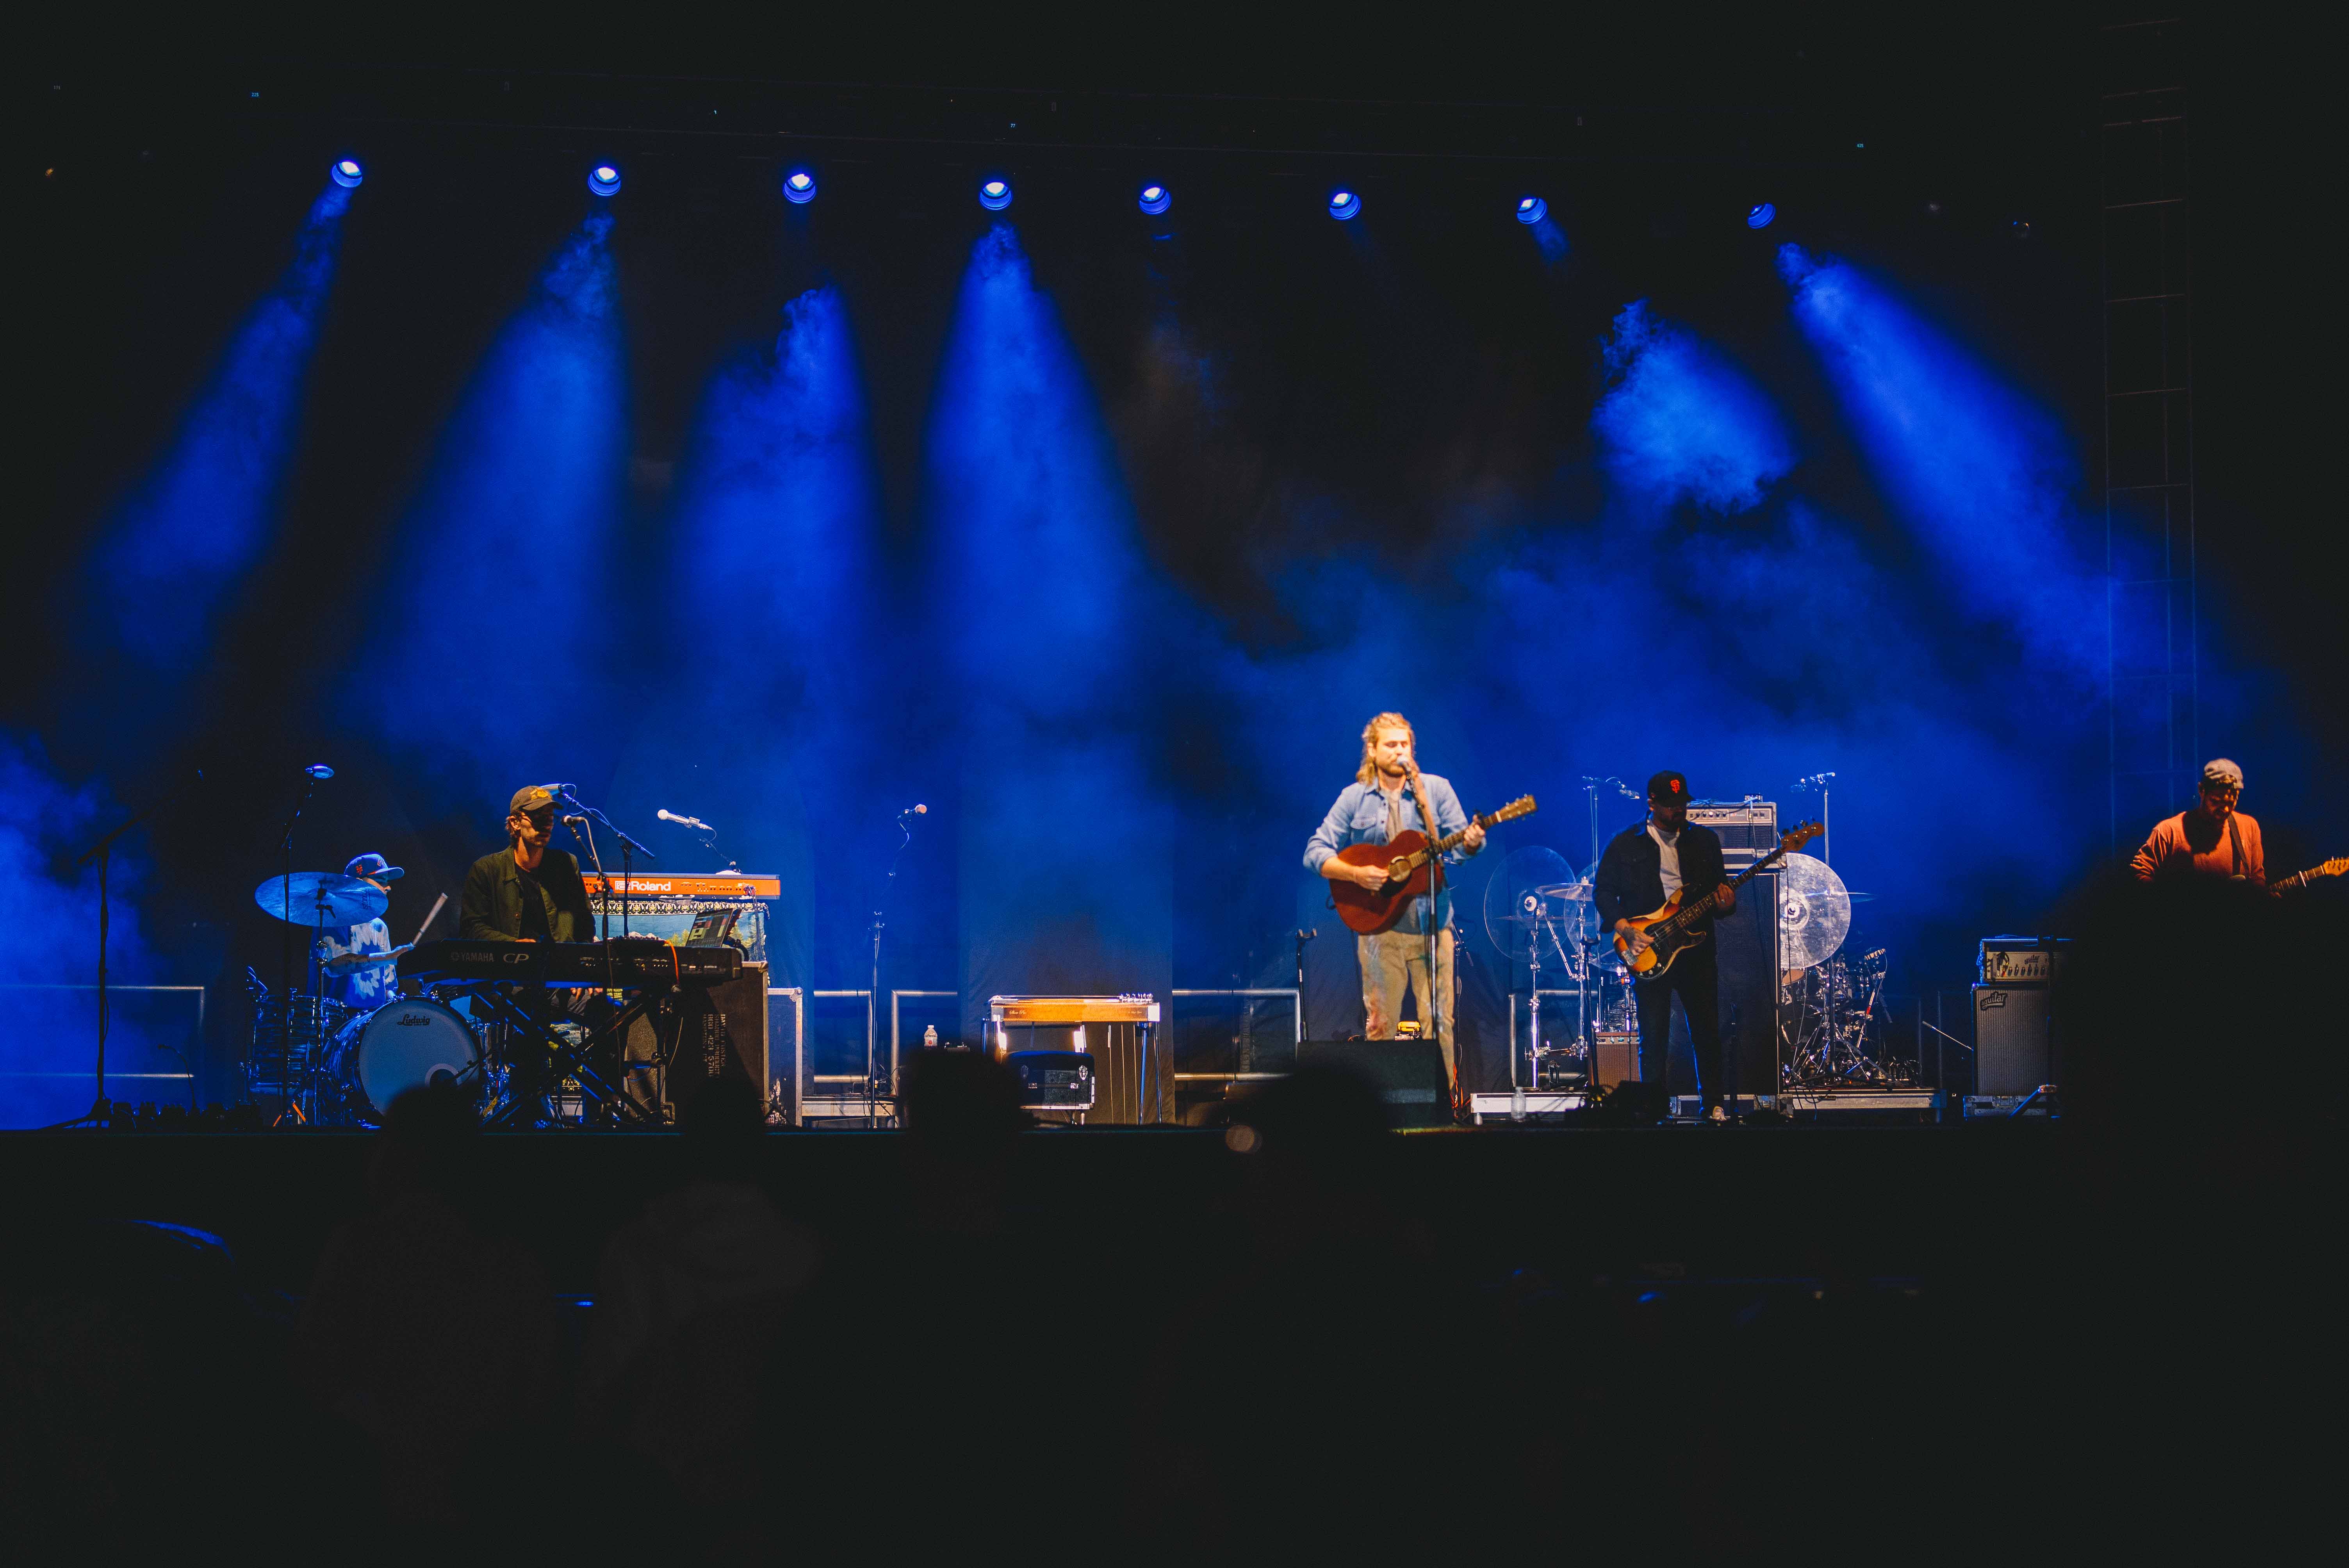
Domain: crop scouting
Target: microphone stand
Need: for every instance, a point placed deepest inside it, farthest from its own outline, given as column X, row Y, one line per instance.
column 628, row 847
column 603, row 891
column 1304, row 935
column 100, row 1111
column 873, row 998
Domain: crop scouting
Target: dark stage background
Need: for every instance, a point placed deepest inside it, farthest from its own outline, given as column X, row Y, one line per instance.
column 1102, row 534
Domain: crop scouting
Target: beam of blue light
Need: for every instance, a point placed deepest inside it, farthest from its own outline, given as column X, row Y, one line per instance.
column 485, row 644
column 1680, row 424
column 995, row 195
column 1344, row 203
column 1154, row 199
column 1550, row 240
column 1041, row 578
column 176, row 551
column 1761, row 215
column 799, row 187
column 1984, row 476
column 604, row 180
column 776, row 507
column 46, row 1056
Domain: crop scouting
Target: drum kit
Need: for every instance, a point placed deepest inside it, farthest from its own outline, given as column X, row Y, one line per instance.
column 327, row 1061
column 1539, row 913
column 1830, row 1003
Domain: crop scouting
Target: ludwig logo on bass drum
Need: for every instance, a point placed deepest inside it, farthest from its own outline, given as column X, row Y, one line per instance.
column 413, row 1021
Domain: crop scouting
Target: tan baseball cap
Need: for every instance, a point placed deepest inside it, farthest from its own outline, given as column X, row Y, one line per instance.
column 531, row 797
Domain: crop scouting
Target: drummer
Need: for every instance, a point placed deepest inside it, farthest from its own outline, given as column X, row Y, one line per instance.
column 359, row 966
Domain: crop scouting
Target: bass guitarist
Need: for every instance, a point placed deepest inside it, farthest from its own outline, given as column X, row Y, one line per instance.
column 1643, row 866
column 1390, row 794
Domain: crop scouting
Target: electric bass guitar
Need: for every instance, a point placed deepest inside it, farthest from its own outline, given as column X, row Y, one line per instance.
column 1668, row 931
column 1412, row 865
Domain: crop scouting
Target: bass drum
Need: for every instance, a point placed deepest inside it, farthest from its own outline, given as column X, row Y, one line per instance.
column 407, row 1045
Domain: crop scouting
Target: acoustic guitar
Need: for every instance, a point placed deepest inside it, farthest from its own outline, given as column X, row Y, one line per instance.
column 1412, row 865
column 1668, row 931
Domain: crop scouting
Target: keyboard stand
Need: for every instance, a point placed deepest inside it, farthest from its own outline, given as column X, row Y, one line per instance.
column 565, row 1059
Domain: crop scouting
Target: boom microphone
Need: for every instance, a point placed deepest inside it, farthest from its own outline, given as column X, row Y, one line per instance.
column 912, row 811
column 667, row 815
column 574, row 822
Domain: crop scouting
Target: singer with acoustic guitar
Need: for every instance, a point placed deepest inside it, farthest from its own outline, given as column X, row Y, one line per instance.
column 1643, row 866
column 1389, row 796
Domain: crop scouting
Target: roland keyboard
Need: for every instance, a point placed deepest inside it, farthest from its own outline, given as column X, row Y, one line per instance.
column 633, row 966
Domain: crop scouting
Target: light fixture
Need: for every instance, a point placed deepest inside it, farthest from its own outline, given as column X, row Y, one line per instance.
column 604, row 180
column 1154, row 199
column 347, row 173
column 1760, row 215
column 1344, row 203
column 995, row 195
column 799, row 187
column 1531, row 210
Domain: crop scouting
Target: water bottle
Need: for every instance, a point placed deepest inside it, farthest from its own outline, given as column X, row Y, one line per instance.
column 930, row 1039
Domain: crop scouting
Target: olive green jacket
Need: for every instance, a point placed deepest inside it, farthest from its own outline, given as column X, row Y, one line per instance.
column 491, row 907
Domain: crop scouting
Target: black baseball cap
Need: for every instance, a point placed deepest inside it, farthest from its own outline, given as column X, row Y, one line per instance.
column 1668, row 788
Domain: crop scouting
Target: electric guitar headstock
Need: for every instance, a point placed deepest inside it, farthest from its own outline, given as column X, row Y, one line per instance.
column 2338, row 866
column 1800, row 835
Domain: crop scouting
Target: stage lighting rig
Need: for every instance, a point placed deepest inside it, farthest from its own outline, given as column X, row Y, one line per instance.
column 799, row 187
column 1531, row 210
column 1344, row 203
column 1760, row 215
column 995, row 195
column 604, row 180
column 347, row 173
column 1154, row 199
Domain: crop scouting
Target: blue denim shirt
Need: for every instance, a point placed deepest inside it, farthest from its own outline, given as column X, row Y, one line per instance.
column 1360, row 816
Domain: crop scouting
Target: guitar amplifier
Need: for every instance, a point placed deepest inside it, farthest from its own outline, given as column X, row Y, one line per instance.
column 1053, row 1080
column 1748, row 829
column 2026, row 960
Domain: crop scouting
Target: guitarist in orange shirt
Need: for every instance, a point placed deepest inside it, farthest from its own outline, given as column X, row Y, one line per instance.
column 1644, row 865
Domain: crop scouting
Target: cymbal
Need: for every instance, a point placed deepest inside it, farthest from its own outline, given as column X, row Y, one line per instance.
column 1813, row 912
column 1574, row 891
column 321, row 898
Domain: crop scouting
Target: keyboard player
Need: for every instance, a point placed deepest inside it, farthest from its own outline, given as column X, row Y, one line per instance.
column 529, row 891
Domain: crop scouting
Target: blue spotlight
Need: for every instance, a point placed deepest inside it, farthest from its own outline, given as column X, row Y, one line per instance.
column 347, row 173
column 1531, row 210
column 1760, row 215
column 1154, row 199
column 1344, row 203
column 799, row 187
column 604, row 180
column 995, row 195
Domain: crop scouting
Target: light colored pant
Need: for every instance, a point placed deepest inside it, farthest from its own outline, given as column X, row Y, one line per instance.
column 1389, row 960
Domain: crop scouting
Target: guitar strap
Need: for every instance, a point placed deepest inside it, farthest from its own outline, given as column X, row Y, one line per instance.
column 2235, row 843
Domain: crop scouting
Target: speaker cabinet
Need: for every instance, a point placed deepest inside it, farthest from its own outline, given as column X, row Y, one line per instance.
column 2015, row 1047
column 1745, row 949
column 1409, row 1075
column 713, row 1032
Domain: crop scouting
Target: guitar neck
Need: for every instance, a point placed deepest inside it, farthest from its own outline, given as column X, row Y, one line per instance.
column 1704, row 905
